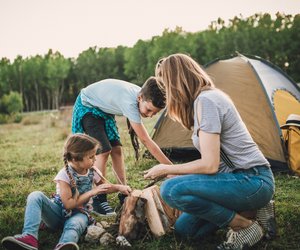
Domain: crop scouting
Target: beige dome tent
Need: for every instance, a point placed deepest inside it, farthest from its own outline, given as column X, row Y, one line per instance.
column 264, row 96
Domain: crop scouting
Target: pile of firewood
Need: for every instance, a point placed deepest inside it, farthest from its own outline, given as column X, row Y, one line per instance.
column 145, row 207
column 143, row 212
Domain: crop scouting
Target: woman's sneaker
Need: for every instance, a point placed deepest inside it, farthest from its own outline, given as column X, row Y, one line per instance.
column 67, row 246
column 18, row 242
column 243, row 238
column 266, row 218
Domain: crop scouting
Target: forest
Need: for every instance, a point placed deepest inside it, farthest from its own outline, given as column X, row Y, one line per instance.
column 46, row 82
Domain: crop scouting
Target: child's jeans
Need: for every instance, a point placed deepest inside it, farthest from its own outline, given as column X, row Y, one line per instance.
column 210, row 202
column 40, row 207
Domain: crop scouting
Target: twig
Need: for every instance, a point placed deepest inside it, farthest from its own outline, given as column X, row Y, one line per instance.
column 101, row 175
column 118, row 178
column 154, row 181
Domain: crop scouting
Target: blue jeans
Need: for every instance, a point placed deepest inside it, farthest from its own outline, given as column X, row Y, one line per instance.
column 40, row 207
column 209, row 202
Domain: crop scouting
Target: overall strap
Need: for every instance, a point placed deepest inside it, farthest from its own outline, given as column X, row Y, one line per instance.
column 226, row 159
column 91, row 174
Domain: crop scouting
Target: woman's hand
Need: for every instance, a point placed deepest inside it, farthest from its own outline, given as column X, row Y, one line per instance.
column 156, row 172
column 124, row 189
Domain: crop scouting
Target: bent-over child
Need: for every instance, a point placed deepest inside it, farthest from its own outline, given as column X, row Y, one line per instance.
column 94, row 114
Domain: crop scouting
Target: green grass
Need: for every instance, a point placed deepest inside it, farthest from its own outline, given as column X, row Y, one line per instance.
column 30, row 157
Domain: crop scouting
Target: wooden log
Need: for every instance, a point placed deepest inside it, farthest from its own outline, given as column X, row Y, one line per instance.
column 145, row 205
column 132, row 222
column 161, row 211
column 171, row 213
column 152, row 213
column 159, row 215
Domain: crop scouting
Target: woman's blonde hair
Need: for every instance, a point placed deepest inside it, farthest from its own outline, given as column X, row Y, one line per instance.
column 183, row 80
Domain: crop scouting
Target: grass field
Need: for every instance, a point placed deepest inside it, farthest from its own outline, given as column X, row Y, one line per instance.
column 30, row 157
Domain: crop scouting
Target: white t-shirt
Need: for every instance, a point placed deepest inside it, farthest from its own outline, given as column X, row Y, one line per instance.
column 63, row 176
column 114, row 97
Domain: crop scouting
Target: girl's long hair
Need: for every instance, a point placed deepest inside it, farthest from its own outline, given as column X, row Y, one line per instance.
column 75, row 148
column 183, row 80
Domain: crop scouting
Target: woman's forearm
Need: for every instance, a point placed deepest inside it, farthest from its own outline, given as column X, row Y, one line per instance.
column 193, row 167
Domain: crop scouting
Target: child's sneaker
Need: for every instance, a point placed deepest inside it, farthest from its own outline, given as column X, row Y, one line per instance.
column 122, row 198
column 266, row 218
column 103, row 209
column 18, row 242
column 101, row 206
column 243, row 238
column 67, row 246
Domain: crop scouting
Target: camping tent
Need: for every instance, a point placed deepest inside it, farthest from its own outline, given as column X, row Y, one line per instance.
column 264, row 96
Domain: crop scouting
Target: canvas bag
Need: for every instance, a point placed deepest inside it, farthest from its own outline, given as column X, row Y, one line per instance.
column 291, row 132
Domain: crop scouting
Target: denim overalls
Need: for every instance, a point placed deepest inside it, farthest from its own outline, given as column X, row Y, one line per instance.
column 51, row 211
column 83, row 184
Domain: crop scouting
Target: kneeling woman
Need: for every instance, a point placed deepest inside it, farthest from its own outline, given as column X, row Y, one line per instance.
column 232, row 175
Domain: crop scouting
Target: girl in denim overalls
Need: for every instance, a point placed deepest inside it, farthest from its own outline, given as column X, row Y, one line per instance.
column 70, row 207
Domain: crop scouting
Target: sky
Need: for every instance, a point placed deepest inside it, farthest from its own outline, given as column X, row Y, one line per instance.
column 31, row 27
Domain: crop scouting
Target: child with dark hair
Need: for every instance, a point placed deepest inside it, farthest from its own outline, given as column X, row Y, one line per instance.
column 69, row 209
column 94, row 114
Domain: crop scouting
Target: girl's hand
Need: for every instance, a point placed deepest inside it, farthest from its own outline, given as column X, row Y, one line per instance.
column 102, row 189
column 124, row 189
column 156, row 172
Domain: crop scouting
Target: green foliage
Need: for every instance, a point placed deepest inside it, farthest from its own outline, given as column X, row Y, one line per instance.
column 17, row 117
column 4, row 118
column 5, row 76
column 13, row 118
column 50, row 81
column 170, row 42
column 136, row 62
column 95, row 64
column 57, row 70
column 11, row 103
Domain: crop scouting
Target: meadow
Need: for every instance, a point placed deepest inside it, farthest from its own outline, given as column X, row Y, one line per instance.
column 31, row 155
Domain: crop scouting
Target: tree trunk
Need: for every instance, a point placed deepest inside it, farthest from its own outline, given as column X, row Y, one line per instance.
column 60, row 93
column 26, row 105
column 48, row 97
column 36, row 95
